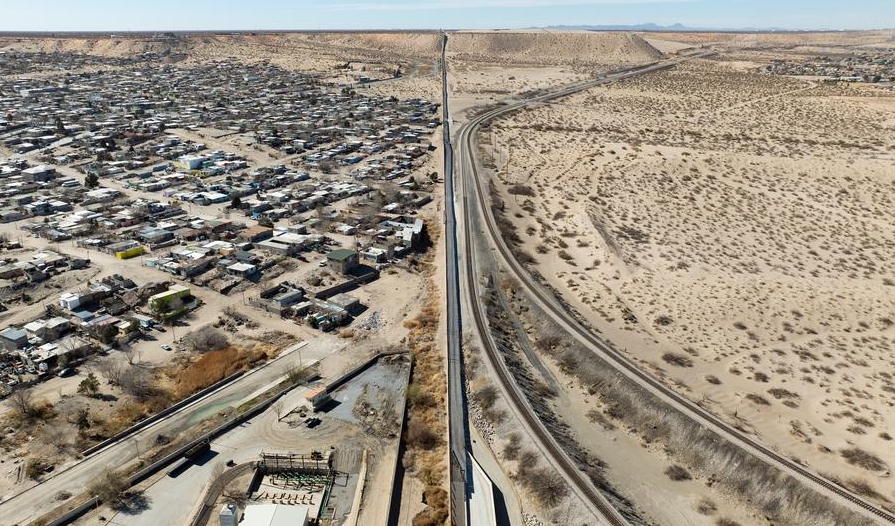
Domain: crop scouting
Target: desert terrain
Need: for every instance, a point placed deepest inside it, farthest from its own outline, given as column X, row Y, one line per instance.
column 728, row 229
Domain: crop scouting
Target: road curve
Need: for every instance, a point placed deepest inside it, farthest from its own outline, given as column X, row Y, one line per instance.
column 548, row 303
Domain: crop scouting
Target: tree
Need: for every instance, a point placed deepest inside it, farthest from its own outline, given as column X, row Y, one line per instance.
column 112, row 369
column 138, row 383
column 236, row 202
column 296, row 374
column 21, row 401
column 89, row 386
column 91, row 180
column 110, row 487
column 57, row 435
column 279, row 408
column 83, row 419
column 205, row 339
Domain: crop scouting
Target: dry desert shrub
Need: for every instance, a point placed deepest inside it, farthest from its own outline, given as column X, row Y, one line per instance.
column 544, row 484
column 863, row 459
column 706, row 507
column 677, row 473
column 436, row 512
column 677, row 360
column 420, row 436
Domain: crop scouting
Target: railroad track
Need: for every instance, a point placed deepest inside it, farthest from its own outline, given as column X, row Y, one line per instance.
column 620, row 362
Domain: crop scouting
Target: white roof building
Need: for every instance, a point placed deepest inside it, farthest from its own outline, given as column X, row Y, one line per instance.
column 275, row 515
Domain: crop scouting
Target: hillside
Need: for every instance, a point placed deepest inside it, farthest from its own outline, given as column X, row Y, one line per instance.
column 552, row 48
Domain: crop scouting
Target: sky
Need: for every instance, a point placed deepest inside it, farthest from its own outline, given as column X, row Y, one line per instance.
column 145, row 15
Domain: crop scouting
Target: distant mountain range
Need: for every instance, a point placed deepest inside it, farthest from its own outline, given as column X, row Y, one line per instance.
column 657, row 27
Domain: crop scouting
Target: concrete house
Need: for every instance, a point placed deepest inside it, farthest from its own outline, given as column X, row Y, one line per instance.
column 13, row 339
column 343, row 260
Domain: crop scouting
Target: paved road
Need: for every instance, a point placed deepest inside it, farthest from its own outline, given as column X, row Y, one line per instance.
column 37, row 500
column 549, row 304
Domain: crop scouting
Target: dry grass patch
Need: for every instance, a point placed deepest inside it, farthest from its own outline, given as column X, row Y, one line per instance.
column 426, row 451
column 213, row 366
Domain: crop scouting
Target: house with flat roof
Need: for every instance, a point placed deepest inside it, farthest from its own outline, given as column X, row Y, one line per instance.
column 343, row 260
column 13, row 338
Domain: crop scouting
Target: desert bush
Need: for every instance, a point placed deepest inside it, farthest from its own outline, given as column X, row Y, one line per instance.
column 512, row 447
column 296, row 374
column 864, row 489
column 521, row 189
column 21, row 400
column 548, row 342
column 677, row 360
column 34, row 468
column 419, row 436
column 863, row 459
column 495, row 416
column 781, row 394
column 486, row 397
column 677, row 473
column 597, row 417
column 112, row 368
column 549, row 487
column 138, row 383
column 712, row 379
column 436, row 512
column 418, row 397
column 109, row 486
column 706, row 507
column 205, row 339
column 756, row 399
column 722, row 521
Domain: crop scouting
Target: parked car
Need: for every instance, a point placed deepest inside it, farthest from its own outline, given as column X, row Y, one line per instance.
column 166, row 347
column 67, row 371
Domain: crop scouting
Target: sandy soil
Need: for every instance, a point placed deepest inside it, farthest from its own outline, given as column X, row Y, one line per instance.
column 738, row 222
